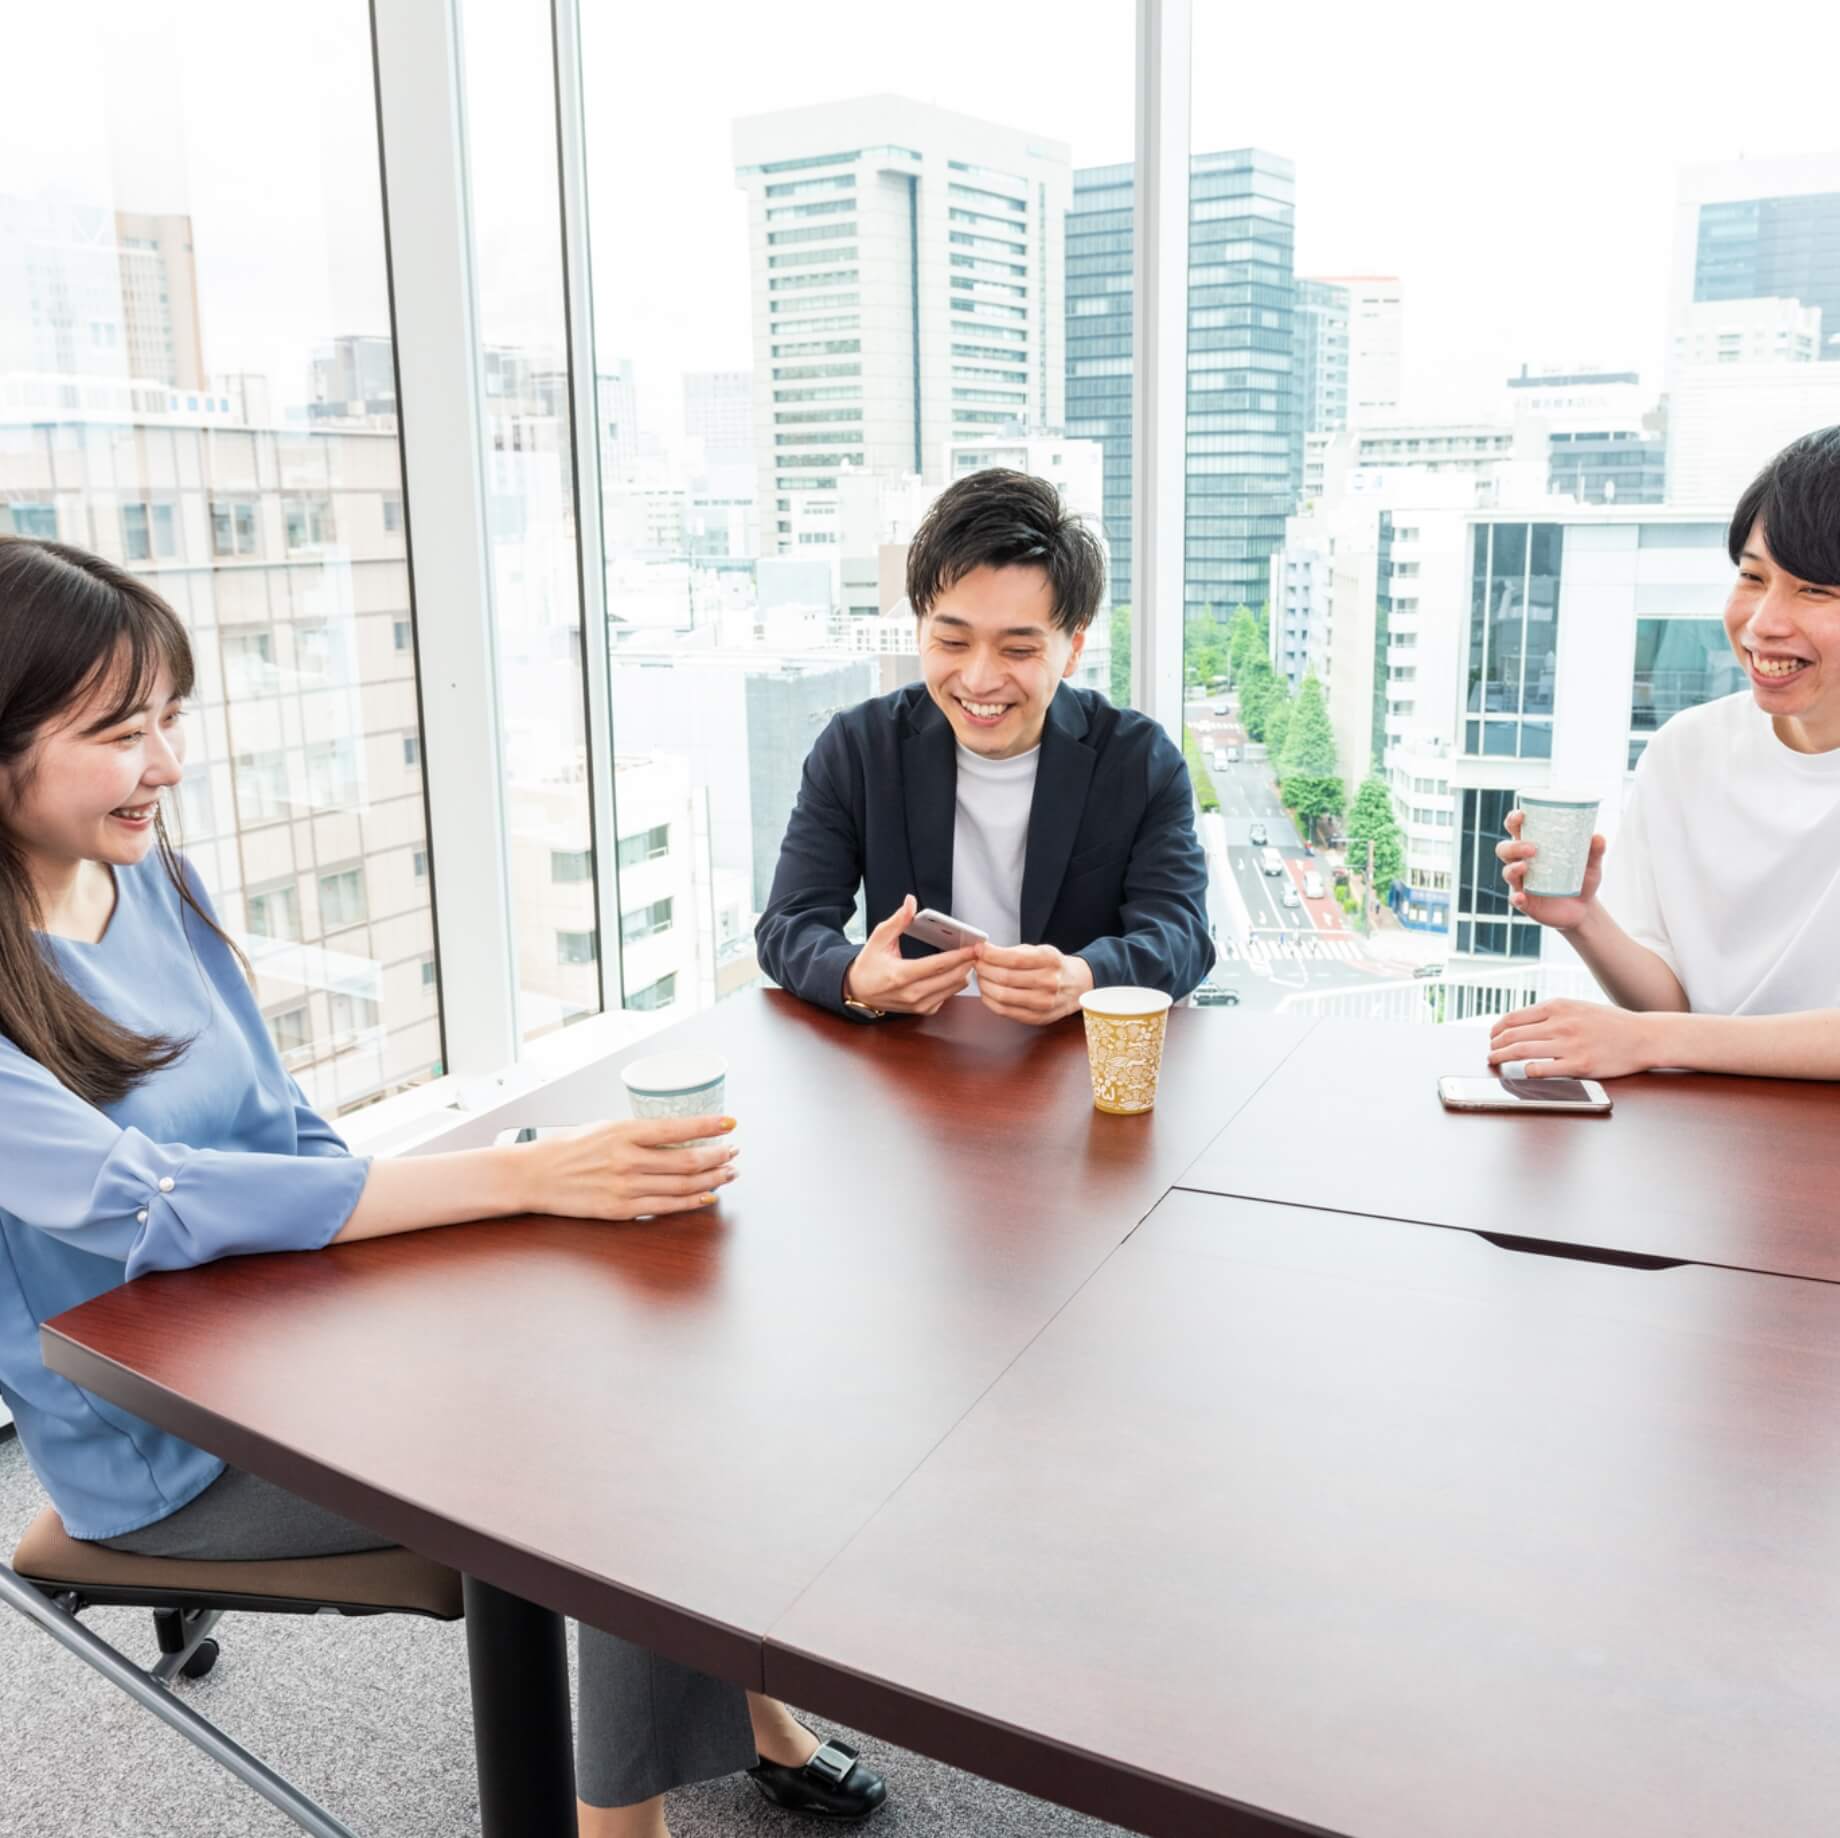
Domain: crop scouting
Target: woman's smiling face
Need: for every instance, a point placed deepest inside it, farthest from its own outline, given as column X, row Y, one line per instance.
column 1786, row 633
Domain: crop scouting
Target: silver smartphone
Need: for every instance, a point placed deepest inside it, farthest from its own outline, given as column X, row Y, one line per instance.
column 1582, row 1095
column 941, row 929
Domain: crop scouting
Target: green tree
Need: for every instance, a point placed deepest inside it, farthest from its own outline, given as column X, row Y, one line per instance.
column 1278, row 717
column 1121, row 657
column 1203, row 780
column 1244, row 644
column 1204, row 648
column 1372, row 820
column 1258, row 689
column 1309, row 778
column 1309, row 740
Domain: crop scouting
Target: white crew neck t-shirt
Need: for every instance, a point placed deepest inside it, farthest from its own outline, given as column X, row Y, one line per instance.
column 990, row 841
column 1727, row 863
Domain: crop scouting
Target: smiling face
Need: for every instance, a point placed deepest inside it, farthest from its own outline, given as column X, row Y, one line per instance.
column 993, row 657
column 88, row 792
column 1786, row 633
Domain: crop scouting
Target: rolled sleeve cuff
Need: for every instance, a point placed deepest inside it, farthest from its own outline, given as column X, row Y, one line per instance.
column 193, row 1206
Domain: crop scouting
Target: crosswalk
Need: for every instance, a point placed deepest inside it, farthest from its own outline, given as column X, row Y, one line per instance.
column 1318, row 945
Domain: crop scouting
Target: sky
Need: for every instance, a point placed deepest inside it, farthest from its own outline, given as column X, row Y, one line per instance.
column 1514, row 164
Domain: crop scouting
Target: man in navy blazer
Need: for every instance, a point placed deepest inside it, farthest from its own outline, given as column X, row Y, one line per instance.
column 994, row 791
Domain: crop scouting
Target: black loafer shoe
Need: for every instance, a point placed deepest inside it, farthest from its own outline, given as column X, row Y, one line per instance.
column 833, row 1784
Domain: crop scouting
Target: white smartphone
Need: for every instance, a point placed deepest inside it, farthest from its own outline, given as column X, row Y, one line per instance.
column 1582, row 1095
column 941, row 929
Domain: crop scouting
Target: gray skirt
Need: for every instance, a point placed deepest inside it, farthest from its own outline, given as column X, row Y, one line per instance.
column 643, row 1724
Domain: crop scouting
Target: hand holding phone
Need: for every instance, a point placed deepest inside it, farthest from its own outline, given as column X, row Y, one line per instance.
column 880, row 977
column 944, row 932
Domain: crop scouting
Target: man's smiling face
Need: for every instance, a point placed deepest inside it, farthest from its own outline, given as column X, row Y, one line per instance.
column 993, row 657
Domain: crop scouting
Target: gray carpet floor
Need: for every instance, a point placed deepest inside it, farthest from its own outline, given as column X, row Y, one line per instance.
column 369, row 1717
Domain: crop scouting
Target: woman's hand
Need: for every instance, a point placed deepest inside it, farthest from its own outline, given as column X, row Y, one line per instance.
column 626, row 1170
column 1563, row 915
column 1575, row 1040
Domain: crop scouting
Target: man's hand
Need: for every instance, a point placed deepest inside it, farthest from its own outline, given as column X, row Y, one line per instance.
column 883, row 978
column 1032, row 983
column 1575, row 1040
column 1562, row 914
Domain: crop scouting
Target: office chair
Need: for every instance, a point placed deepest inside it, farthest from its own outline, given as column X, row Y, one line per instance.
column 55, row 1577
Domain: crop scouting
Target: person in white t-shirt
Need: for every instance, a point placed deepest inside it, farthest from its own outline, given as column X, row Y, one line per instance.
column 1717, row 928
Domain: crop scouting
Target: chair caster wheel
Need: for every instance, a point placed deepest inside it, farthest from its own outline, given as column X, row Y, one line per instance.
column 201, row 1661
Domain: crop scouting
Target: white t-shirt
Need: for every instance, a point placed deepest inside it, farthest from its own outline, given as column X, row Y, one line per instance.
column 990, row 841
column 1727, row 863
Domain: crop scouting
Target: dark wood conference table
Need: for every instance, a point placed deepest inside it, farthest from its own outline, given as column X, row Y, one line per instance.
column 1697, row 1169
column 1202, row 1514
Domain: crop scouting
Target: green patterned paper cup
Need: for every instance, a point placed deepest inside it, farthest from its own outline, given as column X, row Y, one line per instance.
column 686, row 1084
column 1124, row 1047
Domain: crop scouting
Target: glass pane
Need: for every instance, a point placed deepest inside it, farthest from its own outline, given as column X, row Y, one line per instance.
column 196, row 380
column 868, row 297
column 1551, row 365
column 530, row 506
column 1679, row 662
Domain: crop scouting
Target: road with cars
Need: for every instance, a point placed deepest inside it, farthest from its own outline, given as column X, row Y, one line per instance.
column 1276, row 933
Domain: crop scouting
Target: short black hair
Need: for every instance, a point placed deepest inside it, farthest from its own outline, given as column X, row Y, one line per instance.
column 1798, row 497
column 1003, row 519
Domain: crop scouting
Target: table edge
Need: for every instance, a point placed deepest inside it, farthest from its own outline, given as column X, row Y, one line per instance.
column 681, row 1634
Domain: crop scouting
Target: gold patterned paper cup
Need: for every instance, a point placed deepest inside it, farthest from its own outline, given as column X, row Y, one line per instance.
column 1124, row 1047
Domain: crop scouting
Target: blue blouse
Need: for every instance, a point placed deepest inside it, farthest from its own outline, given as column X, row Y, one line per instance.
column 180, row 1172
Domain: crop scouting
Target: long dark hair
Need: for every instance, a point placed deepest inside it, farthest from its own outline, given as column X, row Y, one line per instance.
column 70, row 623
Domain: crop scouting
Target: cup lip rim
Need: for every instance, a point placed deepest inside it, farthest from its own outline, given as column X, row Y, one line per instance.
column 656, row 1085
column 1558, row 800
column 1156, row 1001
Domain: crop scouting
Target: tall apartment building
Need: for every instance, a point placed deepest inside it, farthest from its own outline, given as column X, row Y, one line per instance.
column 1765, row 229
column 907, row 267
column 1244, row 434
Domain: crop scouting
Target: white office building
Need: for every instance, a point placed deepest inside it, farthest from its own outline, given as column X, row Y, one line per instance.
column 907, row 274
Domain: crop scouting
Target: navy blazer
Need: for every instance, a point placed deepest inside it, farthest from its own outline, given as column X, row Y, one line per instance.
column 1113, row 872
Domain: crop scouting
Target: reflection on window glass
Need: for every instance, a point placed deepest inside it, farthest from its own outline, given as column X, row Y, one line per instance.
column 1679, row 664
column 187, row 299
column 870, row 296
column 530, row 502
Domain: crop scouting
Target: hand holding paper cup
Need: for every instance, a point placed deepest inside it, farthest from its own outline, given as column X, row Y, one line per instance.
column 693, row 1083
column 1560, row 826
column 1124, row 1046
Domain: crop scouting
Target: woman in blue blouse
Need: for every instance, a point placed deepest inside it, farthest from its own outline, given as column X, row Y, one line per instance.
column 143, row 1109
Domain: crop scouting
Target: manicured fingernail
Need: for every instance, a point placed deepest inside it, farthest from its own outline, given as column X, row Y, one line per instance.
column 728, row 1123
column 705, row 1199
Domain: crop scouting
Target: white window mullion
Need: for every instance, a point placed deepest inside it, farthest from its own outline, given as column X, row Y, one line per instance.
column 1159, row 381
column 427, row 225
column 584, row 422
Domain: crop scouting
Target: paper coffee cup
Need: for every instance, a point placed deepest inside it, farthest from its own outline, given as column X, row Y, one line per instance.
column 1124, row 1046
column 692, row 1083
column 1560, row 825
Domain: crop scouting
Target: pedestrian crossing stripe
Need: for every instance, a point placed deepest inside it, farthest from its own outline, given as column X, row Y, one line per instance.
column 1315, row 945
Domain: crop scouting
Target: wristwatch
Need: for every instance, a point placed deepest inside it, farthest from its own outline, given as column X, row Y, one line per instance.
column 860, row 1008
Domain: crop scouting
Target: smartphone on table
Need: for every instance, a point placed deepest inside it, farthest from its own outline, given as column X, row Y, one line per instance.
column 1585, row 1096
column 942, row 930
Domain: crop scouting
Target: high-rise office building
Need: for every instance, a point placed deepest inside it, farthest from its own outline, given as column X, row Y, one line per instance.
column 108, row 294
column 1350, row 350
column 907, row 274
column 1244, row 436
column 719, row 418
column 1602, row 431
column 1321, row 333
column 1766, row 229
column 1100, row 252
